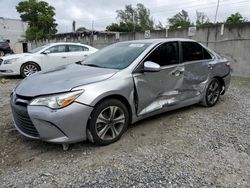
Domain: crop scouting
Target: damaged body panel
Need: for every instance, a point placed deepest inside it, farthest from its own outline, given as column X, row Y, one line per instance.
column 157, row 90
column 121, row 84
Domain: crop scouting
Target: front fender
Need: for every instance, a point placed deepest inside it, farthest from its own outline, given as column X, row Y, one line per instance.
column 95, row 92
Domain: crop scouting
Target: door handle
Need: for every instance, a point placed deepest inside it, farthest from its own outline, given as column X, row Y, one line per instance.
column 177, row 72
column 210, row 66
column 64, row 57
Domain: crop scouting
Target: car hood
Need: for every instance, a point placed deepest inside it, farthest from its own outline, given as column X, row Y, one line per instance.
column 12, row 56
column 62, row 79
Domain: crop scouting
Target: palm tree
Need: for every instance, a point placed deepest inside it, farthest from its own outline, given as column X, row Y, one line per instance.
column 235, row 18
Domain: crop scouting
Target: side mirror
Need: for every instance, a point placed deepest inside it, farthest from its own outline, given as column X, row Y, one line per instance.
column 46, row 52
column 150, row 66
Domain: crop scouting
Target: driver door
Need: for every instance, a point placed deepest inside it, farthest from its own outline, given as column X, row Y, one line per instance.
column 157, row 90
column 56, row 57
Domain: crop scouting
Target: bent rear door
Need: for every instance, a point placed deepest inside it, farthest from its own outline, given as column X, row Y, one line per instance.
column 197, row 62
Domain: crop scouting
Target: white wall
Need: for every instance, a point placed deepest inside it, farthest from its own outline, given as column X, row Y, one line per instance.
column 14, row 30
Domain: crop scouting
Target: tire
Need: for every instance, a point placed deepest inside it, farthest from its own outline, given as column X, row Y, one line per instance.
column 106, row 127
column 212, row 93
column 2, row 53
column 29, row 68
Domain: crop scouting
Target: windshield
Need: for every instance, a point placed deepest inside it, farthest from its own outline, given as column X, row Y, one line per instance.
column 38, row 49
column 116, row 56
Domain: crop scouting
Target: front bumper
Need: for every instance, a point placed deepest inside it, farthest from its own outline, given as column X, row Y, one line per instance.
column 9, row 69
column 67, row 125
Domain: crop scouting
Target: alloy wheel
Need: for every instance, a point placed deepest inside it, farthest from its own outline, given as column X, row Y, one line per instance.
column 110, row 123
column 213, row 92
column 29, row 69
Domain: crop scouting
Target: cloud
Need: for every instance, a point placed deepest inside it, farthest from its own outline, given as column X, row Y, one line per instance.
column 103, row 12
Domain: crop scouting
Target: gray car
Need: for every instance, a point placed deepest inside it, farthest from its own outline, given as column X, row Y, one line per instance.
column 119, row 85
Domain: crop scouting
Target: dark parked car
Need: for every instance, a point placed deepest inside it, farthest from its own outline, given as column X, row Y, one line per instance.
column 5, row 48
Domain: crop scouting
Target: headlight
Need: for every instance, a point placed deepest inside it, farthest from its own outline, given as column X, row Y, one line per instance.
column 10, row 61
column 57, row 101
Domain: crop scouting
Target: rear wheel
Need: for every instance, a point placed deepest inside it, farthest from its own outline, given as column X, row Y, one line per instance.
column 108, row 122
column 28, row 69
column 212, row 94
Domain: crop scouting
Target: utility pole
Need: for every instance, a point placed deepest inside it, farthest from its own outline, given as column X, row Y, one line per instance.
column 92, row 32
column 216, row 13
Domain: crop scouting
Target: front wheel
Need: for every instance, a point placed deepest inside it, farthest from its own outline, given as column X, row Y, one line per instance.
column 28, row 69
column 212, row 94
column 108, row 122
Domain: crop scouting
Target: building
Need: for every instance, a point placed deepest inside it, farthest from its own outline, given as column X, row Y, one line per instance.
column 14, row 31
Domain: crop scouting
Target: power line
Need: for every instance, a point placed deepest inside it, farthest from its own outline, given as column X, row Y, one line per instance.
column 102, row 22
column 241, row 3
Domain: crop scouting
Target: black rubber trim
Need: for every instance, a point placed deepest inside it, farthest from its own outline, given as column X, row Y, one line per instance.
column 226, row 74
column 83, row 104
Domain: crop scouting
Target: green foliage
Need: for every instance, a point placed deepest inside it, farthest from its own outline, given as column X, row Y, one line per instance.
column 235, row 18
column 132, row 19
column 40, row 16
column 180, row 20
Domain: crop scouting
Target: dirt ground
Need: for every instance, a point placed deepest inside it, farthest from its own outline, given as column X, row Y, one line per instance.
column 189, row 147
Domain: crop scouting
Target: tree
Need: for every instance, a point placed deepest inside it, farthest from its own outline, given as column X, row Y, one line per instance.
column 180, row 20
column 40, row 16
column 235, row 18
column 132, row 19
column 202, row 19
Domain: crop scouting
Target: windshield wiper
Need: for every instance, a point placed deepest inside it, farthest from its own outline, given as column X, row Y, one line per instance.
column 92, row 65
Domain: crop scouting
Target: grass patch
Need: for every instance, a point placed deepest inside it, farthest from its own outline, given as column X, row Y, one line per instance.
column 240, row 81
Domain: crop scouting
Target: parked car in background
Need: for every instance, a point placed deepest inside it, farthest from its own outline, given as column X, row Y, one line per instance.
column 119, row 85
column 44, row 58
column 5, row 48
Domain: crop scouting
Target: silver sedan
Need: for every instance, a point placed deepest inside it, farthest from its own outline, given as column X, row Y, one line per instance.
column 119, row 85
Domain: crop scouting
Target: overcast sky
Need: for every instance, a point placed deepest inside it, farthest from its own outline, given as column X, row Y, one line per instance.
column 103, row 12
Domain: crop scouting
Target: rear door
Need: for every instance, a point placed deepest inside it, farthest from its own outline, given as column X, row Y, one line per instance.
column 196, row 61
column 156, row 90
column 77, row 53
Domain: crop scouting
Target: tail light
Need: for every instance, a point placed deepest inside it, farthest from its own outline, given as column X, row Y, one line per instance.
column 228, row 65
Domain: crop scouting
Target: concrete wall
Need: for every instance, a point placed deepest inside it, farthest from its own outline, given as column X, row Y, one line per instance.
column 232, row 41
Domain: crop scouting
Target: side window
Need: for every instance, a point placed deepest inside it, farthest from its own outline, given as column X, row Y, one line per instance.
column 193, row 51
column 76, row 48
column 206, row 55
column 58, row 49
column 165, row 54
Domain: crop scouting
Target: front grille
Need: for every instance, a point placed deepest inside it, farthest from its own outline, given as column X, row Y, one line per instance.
column 21, row 118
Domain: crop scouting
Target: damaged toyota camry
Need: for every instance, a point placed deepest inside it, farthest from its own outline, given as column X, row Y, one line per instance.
column 98, row 98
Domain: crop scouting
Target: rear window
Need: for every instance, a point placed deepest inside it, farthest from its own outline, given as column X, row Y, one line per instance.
column 76, row 48
column 193, row 51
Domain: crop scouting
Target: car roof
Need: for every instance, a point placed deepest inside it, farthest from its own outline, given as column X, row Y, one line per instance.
column 69, row 43
column 155, row 41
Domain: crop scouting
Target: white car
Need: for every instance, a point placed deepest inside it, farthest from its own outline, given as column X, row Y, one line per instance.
column 44, row 58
